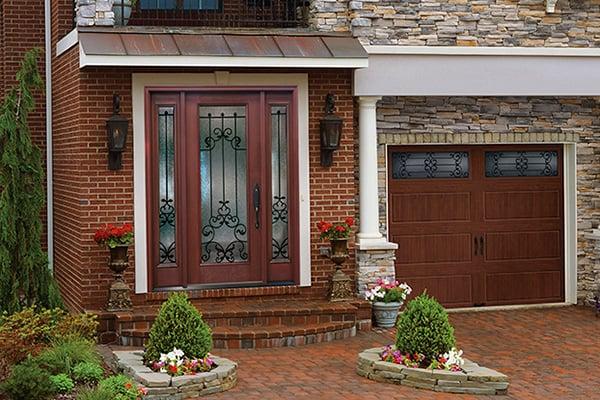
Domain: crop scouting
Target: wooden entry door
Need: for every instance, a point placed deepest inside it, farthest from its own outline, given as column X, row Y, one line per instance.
column 224, row 194
column 479, row 225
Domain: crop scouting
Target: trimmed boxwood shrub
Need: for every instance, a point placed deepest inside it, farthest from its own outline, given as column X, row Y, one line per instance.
column 424, row 328
column 178, row 325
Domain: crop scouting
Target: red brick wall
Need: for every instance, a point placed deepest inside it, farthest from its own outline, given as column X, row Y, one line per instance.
column 21, row 29
column 88, row 195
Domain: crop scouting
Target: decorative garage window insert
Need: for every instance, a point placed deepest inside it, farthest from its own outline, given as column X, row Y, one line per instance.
column 520, row 163
column 279, row 177
column 424, row 165
column 223, row 184
column 166, row 176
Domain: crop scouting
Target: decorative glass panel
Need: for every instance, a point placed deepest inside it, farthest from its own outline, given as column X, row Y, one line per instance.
column 166, row 192
column 223, row 185
column 279, row 177
column 423, row 165
column 173, row 5
column 521, row 163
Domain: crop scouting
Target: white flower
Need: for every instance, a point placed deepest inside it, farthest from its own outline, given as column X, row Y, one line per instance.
column 164, row 357
column 178, row 353
column 454, row 357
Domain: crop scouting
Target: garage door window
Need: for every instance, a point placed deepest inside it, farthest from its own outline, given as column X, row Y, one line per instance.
column 521, row 163
column 427, row 165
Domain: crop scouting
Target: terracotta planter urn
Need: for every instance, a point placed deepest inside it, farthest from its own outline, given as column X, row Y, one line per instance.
column 386, row 313
column 119, row 297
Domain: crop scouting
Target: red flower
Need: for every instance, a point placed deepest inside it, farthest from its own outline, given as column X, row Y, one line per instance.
column 173, row 369
column 128, row 385
column 350, row 221
column 340, row 228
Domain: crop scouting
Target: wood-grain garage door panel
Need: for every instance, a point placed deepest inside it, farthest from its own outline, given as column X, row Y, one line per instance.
column 522, row 245
column 544, row 286
column 433, row 248
column 490, row 235
column 431, row 207
column 523, row 205
column 452, row 290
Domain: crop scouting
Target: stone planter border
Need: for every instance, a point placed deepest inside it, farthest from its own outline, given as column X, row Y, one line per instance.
column 474, row 379
column 163, row 386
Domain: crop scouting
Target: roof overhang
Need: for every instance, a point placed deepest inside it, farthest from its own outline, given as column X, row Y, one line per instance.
column 479, row 71
column 219, row 50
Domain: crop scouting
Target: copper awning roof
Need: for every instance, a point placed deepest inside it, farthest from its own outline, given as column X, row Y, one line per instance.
column 100, row 47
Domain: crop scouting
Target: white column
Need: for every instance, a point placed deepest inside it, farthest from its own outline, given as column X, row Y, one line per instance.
column 369, row 236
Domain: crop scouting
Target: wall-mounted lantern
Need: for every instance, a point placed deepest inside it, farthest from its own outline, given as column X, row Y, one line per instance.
column 117, row 127
column 331, row 132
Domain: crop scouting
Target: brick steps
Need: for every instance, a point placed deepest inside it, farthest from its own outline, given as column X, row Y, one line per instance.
column 255, row 324
column 262, row 337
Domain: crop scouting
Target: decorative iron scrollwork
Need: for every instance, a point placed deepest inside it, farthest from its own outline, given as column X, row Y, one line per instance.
column 520, row 163
column 279, row 206
column 224, row 236
column 166, row 170
column 427, row 165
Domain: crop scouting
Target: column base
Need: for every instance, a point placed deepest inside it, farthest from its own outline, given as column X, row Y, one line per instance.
column 375, row 258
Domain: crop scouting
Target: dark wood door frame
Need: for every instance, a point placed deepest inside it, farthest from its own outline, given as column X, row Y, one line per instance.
column 185, row 273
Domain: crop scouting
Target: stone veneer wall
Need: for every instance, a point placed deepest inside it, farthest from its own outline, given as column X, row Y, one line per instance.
column 470, row 120
column 94, row 12
column 476, row 23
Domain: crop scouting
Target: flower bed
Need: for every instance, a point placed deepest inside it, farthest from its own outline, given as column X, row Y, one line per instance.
column 221, row 376
column 470, row 378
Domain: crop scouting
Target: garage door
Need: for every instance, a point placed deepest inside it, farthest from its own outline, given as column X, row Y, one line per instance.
column 478, row 225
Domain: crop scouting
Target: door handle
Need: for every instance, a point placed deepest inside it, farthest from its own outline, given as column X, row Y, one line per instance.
column 256, row 203
column 475, row 245
column 481, row 245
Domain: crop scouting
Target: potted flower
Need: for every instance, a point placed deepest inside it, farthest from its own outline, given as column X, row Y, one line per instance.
column 117, row 239
column 338, row 235
column 122, row 10
column 387, row 297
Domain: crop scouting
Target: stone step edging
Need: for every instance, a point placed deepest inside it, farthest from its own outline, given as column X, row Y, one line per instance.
column 162, row 385
column 474, row 379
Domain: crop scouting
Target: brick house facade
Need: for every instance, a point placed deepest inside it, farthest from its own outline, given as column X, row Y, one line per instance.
column 401, row 104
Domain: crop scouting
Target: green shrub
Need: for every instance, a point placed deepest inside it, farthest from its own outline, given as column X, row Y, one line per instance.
column 179, row 325
column 61, row 383
column 120, row 387
column 27, row 381
column 95, row 394
column 27, row 332
column 424, row 328
column 64, row 355
column 87, row 372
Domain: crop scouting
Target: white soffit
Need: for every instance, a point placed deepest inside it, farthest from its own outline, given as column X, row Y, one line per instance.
column 479, row 71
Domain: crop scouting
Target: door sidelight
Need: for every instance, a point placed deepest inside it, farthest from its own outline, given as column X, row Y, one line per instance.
column 256, row 203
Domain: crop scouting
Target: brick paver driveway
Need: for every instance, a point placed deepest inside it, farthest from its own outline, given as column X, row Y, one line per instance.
column 547, row 353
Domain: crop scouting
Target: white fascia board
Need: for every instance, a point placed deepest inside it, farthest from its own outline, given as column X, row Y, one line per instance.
column 64, row 44
column 484, row 51
column 478, row 75
column 220, row 61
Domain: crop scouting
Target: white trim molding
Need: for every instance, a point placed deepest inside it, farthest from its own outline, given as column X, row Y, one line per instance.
column 484, row 51
column 461, row 71
column 219, row 61
column 68, row 41
column 570, row 216
column 142, row 80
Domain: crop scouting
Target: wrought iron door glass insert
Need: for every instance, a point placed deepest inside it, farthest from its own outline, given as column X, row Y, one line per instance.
column 521, row 163
column 223, row 159
column 166, row 177
column 279, row 185
column 185, row 5
column 423, row 165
